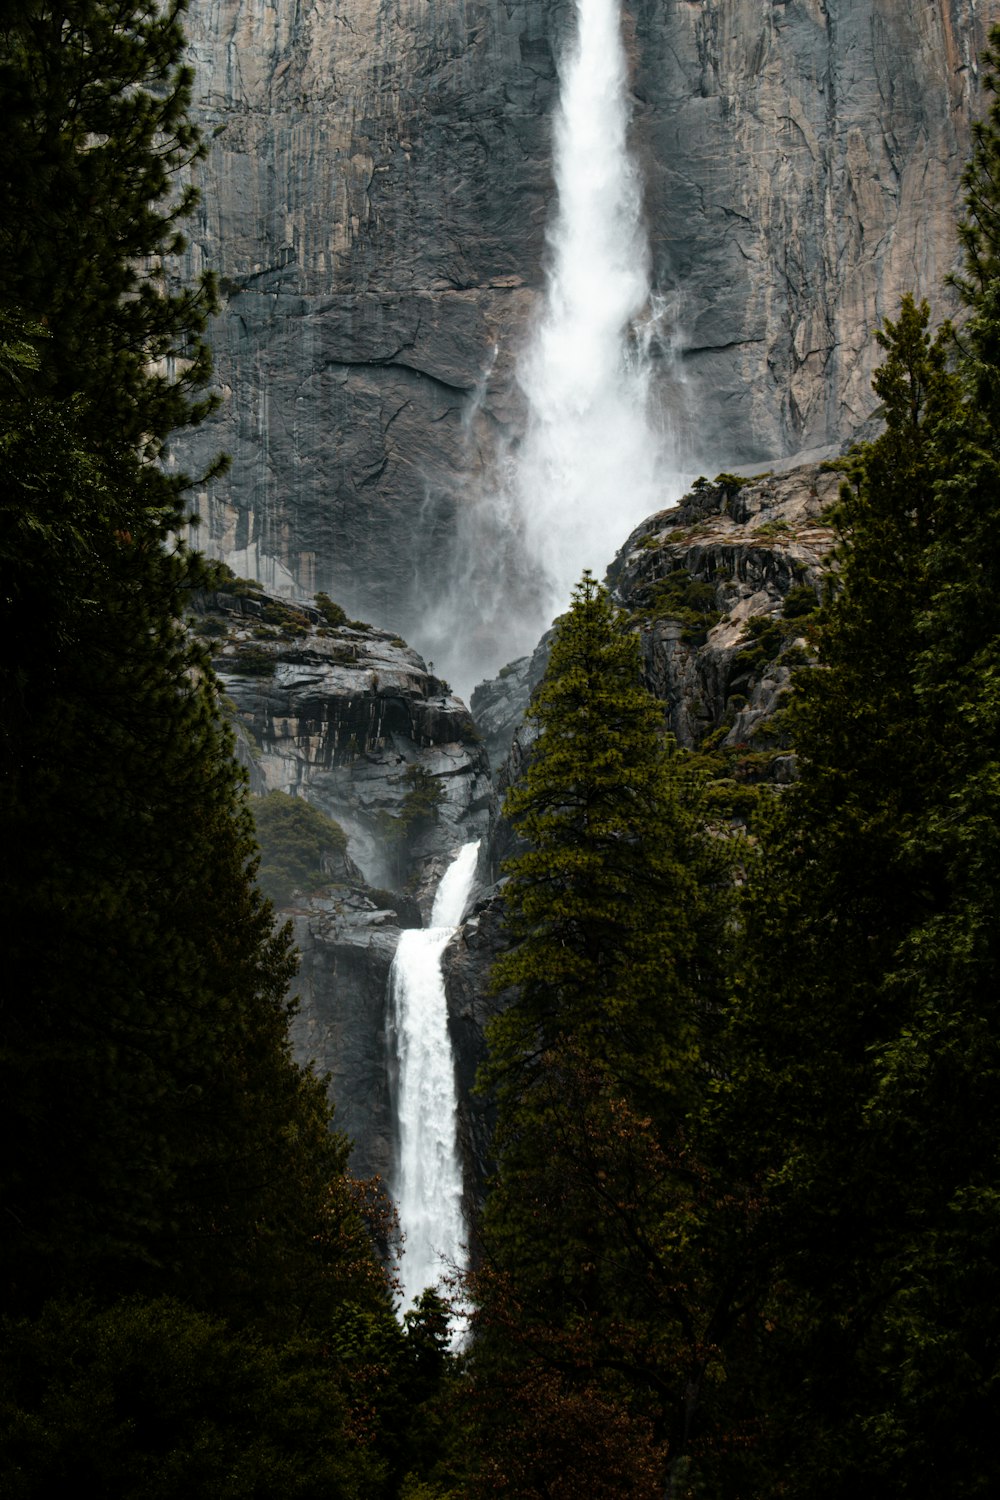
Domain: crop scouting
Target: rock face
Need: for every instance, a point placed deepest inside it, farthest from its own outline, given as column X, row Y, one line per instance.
column 721, row 591
column 350, row 718
column 466, row 967
column 346, row 939
column 802, row 168
column 704, row 581
column 375, row 200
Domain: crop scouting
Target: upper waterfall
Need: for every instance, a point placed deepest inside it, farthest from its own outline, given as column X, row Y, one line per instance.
column 595, row 455
column 591, row 464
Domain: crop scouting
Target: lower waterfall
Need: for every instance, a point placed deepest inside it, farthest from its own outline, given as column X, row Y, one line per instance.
column 428, row 1182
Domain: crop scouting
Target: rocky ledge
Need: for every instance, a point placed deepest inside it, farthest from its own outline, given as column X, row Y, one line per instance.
column 722, row 589
column 349, row 717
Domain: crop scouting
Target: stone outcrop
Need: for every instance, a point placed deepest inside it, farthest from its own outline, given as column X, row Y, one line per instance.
column 375, row 199
column 348, row 716
column 748, row 544
column 706, row 586
column 343, row 715
column 346, row 937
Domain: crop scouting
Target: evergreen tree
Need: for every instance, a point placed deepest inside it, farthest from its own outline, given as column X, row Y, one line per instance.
column 156, row 1135
column 94, row 160
column 157, row 1142
column 591, row 1293
column 864, row 1103
column 613, row 935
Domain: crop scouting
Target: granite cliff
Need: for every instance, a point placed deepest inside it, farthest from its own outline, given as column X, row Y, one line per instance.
column 349, row 718
column 722, row 592
column 375, row 200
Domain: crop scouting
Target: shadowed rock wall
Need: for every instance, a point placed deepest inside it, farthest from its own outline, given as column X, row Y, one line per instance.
column 802, row 163
column 375, row 202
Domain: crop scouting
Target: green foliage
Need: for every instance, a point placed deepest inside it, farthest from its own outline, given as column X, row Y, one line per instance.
column 979, row 230
column 615, row 845
column 331, row 612
column 293, row 838
column 692, row 601
column 289, row 620
column 221, row 578
column 151, row 1399
column 863, row 1099
column 93, row 157
column 770, row 531
column 616, row 919
column 799, row 602
column 252, row 661
column 158, row 1142
column 157, row 1138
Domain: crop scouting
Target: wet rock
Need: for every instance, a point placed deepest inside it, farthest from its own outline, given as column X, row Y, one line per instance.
column 375, row 201
column 347, row 717
column 467, row 962
column 346, row 939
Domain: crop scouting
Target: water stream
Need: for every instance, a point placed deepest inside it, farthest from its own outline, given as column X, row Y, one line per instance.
column 428, row 1185
column 596, row 455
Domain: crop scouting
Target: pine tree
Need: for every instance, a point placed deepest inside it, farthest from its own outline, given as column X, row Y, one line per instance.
column 156, row 1136
column 94, row 162
column 864, row 1099
column 612, row 932
column 591, row 1291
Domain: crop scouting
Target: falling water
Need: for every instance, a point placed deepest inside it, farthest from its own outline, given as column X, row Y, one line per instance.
column 591, row 462
column 429, row 1175
column 594, row 459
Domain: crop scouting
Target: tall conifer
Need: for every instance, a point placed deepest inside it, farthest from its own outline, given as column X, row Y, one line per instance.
column 864, row 1099
column 615, row 915
column 156, row 1136
column 94, row 184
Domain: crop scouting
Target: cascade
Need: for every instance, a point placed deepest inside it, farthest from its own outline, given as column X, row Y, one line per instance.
column 591, row 464
column 428, row 1185
column 595, row 457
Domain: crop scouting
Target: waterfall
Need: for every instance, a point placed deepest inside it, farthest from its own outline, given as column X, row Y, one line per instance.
column 591, row 464
column 428, row 1186
column 595, row 458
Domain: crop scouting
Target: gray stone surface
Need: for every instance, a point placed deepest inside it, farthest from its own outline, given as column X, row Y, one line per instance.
column 341, row 716
column 751, row 546
column 338, row 716
column 802, row 166
column 375, row 200
column 346, row 941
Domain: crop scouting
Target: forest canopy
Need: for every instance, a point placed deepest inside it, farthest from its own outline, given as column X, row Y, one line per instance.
column 191, row 1298
column 743, row 1233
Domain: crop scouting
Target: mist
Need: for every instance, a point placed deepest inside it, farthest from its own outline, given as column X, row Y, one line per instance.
column 597, row 453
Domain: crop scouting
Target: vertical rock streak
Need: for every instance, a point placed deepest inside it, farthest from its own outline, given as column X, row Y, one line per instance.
column 429, row 1174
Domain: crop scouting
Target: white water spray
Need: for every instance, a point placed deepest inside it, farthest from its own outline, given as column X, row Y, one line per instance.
column 595, row 459
column 428, row 1187
column 591, row 464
